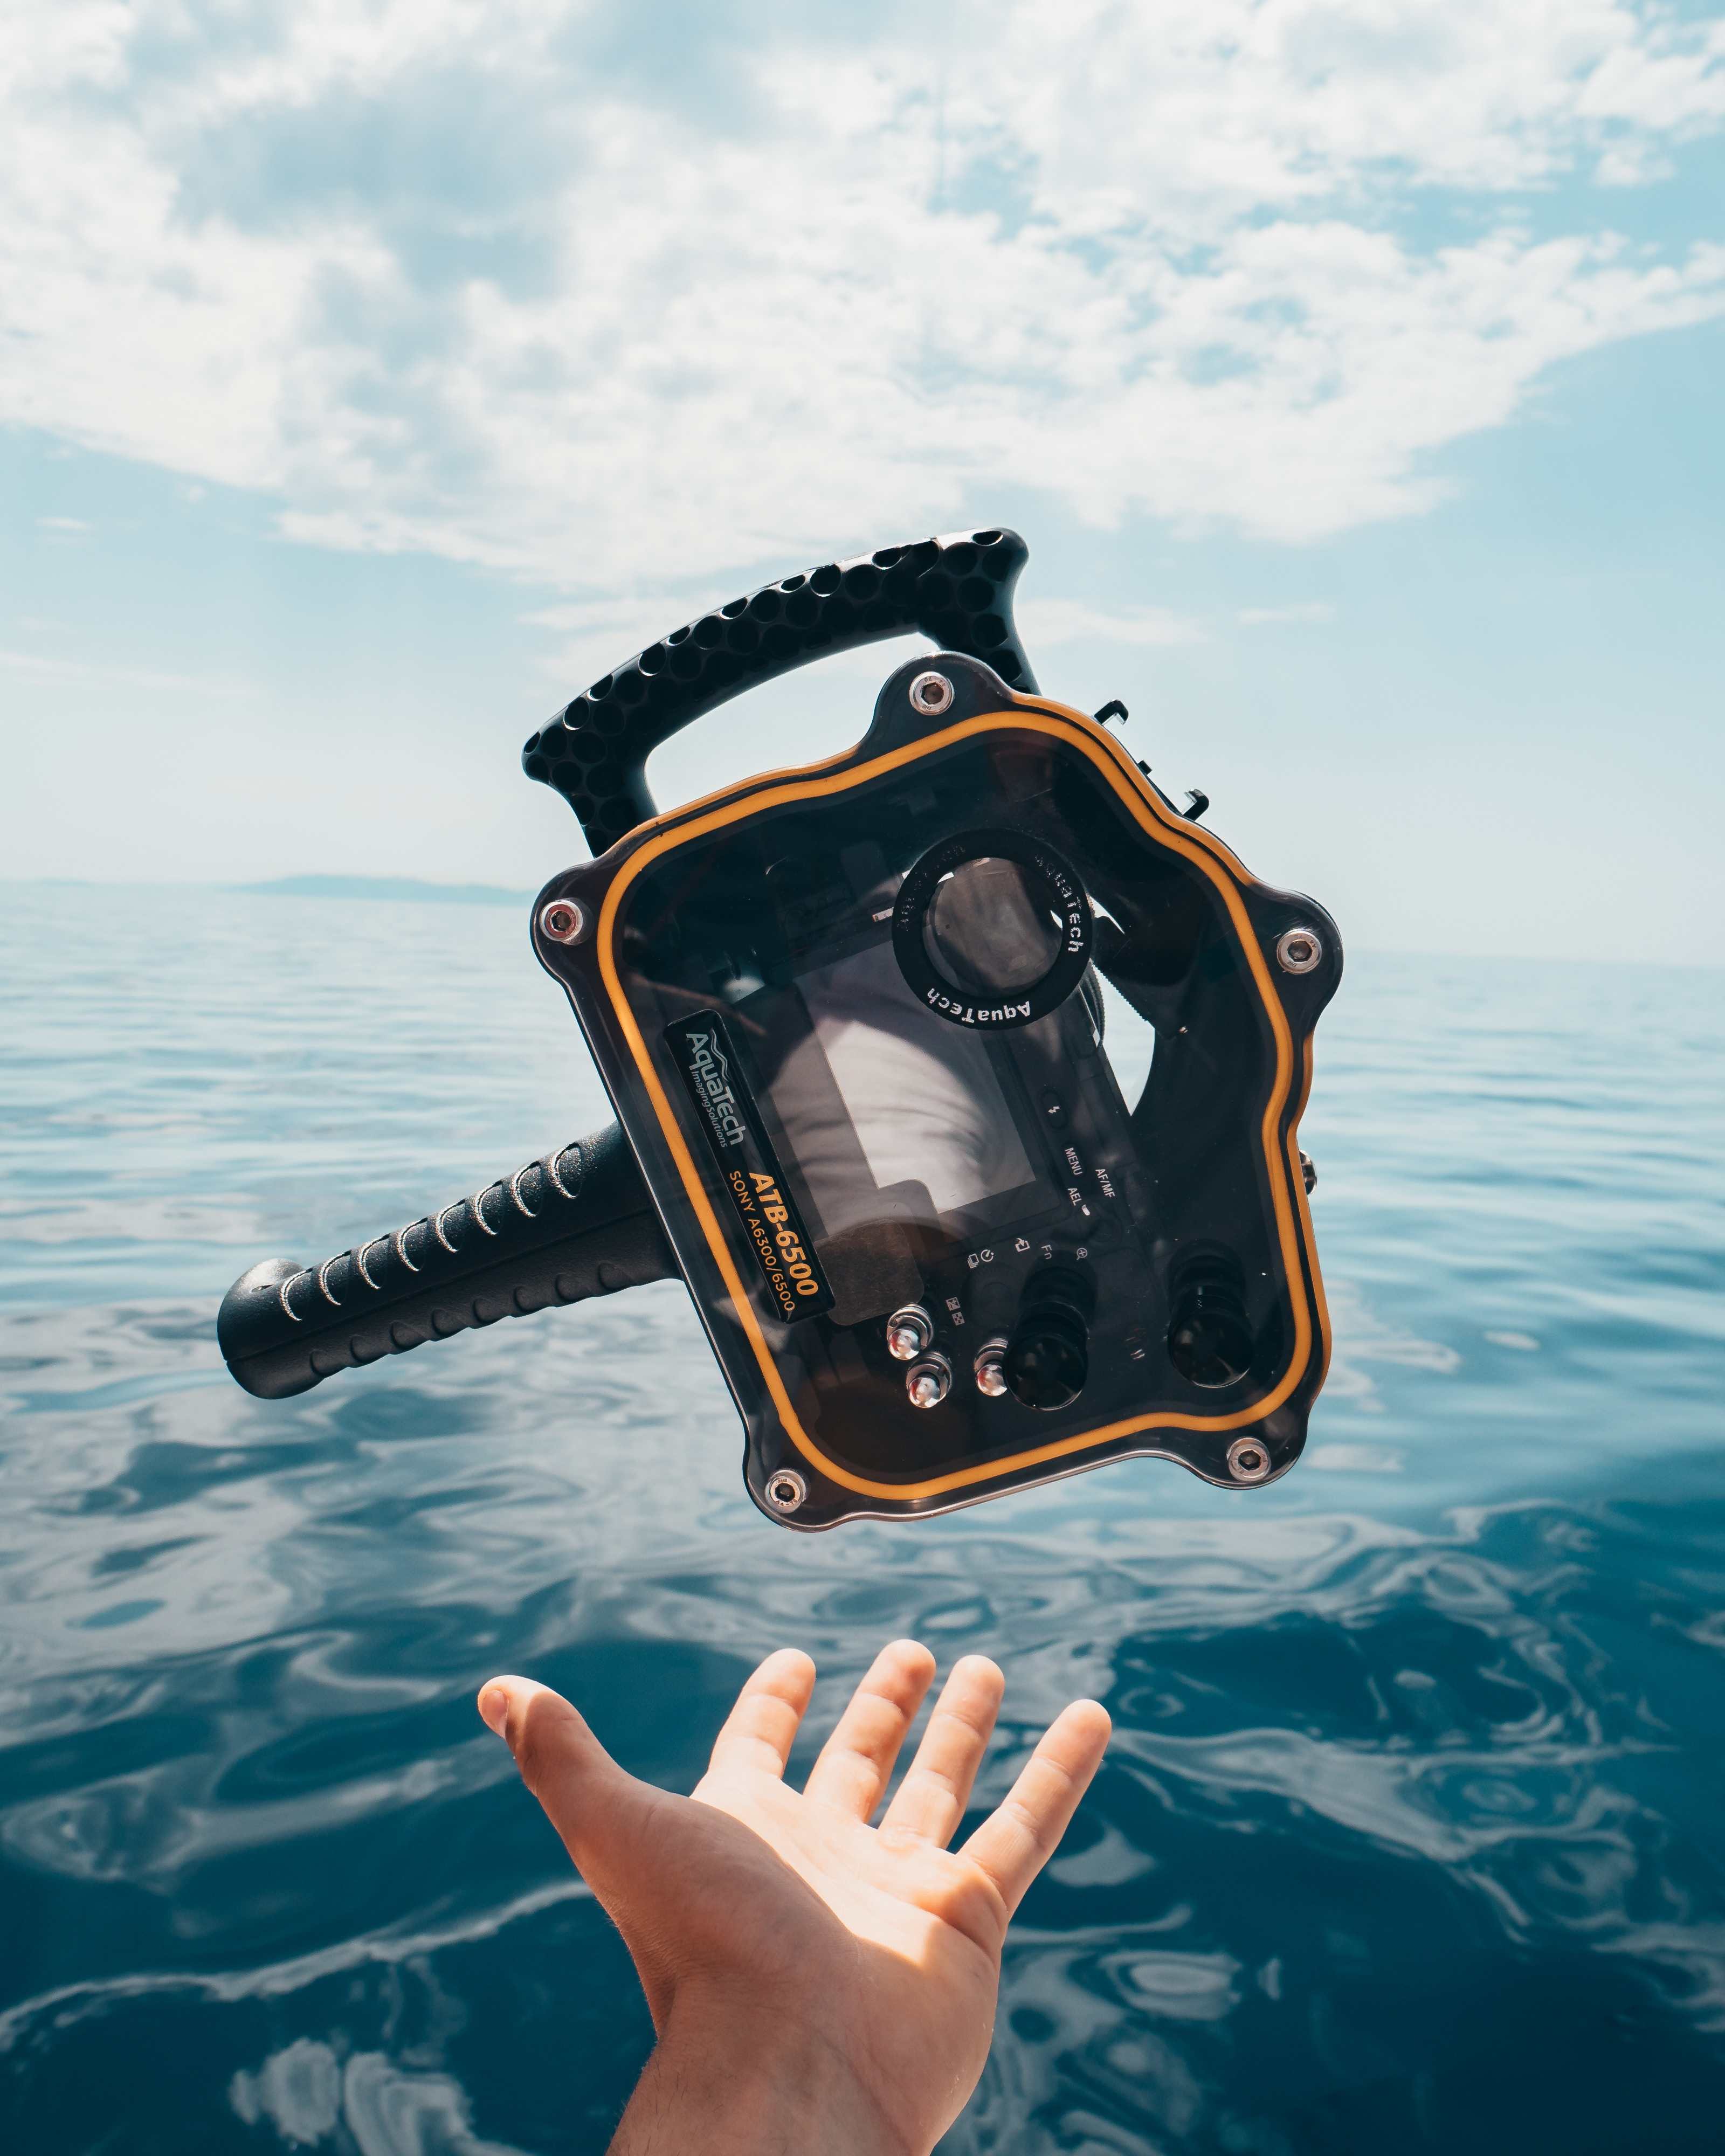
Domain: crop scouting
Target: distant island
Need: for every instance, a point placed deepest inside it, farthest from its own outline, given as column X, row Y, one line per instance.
column 397, row 887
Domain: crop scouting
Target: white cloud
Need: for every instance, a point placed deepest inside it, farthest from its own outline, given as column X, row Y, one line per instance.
column 1275, row 617
column 489, row 280
column 50, row 669
column 1076, row 621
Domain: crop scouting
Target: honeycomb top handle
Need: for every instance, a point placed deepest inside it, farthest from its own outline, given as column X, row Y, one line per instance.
column 957, row 591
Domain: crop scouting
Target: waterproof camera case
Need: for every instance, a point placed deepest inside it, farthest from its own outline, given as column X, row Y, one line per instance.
column 853, row 1020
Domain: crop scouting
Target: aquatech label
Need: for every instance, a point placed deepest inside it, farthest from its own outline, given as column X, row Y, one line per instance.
column 748, row 1167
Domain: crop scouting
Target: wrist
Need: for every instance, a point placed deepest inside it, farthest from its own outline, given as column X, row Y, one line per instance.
column 724, row 2082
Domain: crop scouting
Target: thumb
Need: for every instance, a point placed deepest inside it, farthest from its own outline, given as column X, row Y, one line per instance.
column 585, row 1795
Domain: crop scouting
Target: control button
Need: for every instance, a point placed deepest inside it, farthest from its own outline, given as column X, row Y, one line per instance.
column 1048, row 1358
column 1209, row 1337
column 908, row 1330
column 989, row 1367
column 927, row 1383
column 1054, row 1108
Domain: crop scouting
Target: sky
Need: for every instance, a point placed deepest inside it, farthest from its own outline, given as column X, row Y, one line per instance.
column 373, row 376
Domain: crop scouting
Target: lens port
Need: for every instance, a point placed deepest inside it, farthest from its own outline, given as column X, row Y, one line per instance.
column 992, row 929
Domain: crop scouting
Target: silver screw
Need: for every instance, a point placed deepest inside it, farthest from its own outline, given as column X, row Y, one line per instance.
column 1298, row 950
column 927, row 1383
column 562, row 922
column 990, row 1367
column 786, row 1489
column 1247, row 1459
column 908, row 1333
column 931, row 692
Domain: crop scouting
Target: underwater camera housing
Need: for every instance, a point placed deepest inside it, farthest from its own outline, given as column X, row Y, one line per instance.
column 853, row 1018
column 851, row 1022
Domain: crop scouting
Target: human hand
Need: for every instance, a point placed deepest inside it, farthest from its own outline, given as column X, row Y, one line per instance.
column 816, row 1983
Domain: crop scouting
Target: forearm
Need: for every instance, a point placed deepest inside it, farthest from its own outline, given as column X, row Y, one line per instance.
column 713, row 2089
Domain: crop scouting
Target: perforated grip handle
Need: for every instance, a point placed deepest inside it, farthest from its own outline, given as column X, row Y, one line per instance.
column 957, row 591
column 578, row 1223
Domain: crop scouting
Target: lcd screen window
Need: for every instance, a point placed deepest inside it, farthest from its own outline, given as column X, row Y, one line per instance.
column 919, row 1096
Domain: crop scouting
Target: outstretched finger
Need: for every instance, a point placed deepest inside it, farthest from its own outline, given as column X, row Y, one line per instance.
column 857, row 1759
column 594, row 1804
column 760, row 1729
column 931, row 1799
column 1013, row 1844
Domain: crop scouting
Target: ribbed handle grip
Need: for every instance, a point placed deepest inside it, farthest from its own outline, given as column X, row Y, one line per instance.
column 578, row 1223
column 956, row 590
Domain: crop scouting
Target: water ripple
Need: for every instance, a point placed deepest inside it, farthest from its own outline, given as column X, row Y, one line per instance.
column 1411, row 1832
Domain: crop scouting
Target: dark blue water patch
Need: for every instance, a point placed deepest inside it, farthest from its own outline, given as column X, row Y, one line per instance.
column 1411, row 1834
column 119, row 1612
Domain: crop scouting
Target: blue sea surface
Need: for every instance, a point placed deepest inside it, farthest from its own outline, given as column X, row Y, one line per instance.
column 1413, row 1832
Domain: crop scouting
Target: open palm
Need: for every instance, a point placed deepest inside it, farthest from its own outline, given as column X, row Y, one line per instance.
column 776, row 1933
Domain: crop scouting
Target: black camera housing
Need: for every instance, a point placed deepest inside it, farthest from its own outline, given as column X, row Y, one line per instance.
column 820, row 1004
column 855, row 1019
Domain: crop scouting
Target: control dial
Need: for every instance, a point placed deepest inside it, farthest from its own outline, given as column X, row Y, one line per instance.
column 1047, row 1358
column 1209, row 1340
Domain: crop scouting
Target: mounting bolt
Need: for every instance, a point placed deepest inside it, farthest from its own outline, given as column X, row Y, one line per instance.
column 930, row 693
column 1247, row 1459
column 786, row 1489
column 1298, row 950
column 562, row 922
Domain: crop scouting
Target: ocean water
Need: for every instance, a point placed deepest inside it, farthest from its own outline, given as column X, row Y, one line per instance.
column 1413, row 1832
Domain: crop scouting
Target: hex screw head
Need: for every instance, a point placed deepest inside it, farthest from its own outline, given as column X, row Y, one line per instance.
column 562, row 922
column 930, row 693
column 1247, row 1459
column 1299, row 950
column 786, row 1489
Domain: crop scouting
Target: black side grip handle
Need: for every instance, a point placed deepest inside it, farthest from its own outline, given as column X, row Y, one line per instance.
column 577, row 1223
column 957, row 591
